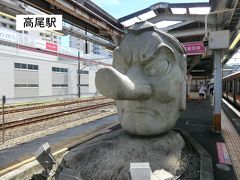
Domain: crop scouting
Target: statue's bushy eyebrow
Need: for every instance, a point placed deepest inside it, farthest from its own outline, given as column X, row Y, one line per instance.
column 124, row 55
column 156, row 53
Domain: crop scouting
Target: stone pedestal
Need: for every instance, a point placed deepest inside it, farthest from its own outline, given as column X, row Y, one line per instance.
column 109, row 156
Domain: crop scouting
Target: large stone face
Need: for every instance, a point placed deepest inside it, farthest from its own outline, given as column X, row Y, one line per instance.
column 147, row 80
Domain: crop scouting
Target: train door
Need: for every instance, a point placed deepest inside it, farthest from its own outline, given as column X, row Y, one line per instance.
column 238, row 92
column 230, row 90
column 227, row 88
column 224, row 88
column 234, row 90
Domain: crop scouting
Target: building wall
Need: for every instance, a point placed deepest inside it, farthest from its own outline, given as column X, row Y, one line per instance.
column 26, row 81
column 84, row 81
column 44, row 77
column 6, row 76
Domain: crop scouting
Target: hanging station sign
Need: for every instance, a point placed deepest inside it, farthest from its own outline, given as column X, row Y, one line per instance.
column 194, row 48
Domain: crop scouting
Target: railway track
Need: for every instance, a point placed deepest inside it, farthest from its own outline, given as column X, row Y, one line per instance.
column 15, row 109
column 49, row 116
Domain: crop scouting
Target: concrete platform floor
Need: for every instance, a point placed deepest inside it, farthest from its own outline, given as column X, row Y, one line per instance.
column 197, row 121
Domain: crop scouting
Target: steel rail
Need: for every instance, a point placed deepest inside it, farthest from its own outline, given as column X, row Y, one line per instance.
column 49, row 116
column 38, row 106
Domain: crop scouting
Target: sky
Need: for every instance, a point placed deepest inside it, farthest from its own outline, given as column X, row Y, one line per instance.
column 120, row 8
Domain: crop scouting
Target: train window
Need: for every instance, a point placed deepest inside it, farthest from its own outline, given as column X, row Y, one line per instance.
column 32, row 85
column 84, row 72
column 17, row 65
column 238, row 86
column 224, row 85
column 35, row 67
column 59, row 85
column 64, row 70
column 30, row 66
column 231, row 86
column 20, row 85
column 23, row 66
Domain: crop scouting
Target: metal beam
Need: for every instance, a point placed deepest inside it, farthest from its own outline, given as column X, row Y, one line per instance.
column 130, row 16
column 188, row 32
column 76, row 14
column 178, row 25
column 181, row 17
column 78, row 10
column 232, row 13
column 96, row 9
column 193, row 64
column 78, row 34
column 10, row 6
column 44, row 7
column 162, row 5
column 188, row 5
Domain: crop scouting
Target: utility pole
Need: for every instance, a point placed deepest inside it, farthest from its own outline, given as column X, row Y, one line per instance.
column 79, row 76
column 3, row 118
column 217, row 90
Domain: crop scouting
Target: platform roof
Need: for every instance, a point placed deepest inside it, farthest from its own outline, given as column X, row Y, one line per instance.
column 83, row 14
column 186, row 21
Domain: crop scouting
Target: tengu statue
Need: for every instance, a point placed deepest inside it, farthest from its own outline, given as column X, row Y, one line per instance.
column 147, row 80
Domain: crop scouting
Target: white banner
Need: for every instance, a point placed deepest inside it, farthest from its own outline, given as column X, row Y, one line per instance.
column 40, row 44
column 38, row 22
column 6, row 35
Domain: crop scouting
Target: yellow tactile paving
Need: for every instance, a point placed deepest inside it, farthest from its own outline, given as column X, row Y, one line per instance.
column 232, row 141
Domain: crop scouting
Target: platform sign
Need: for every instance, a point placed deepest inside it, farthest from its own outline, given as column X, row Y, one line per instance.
column 223, row 155
column 51, row 46
column 194, row 48
column 38, row 22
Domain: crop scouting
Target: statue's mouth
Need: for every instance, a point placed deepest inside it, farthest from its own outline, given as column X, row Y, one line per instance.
column 143, row 110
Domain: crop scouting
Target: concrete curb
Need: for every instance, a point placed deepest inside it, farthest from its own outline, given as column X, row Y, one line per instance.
column 31, row 166
column 206, row 169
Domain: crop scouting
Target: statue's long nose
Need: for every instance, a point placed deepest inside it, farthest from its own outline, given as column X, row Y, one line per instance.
column 115, row 85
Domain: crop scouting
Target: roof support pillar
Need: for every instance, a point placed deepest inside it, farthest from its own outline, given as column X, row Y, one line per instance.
column 217, row 91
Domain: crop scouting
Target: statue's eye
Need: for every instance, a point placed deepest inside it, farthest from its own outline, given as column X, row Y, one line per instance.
column 153, row 71
column 158, row 68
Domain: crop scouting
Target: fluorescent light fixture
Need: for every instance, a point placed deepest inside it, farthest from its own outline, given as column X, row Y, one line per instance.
column 130, row 22
column 7, row 15
column 198, row 70
column 223, row 59
column 164, row 24
column 226, row 69
column 199, row 10
column 235, row 41
column 179, row 10
column 147, row 15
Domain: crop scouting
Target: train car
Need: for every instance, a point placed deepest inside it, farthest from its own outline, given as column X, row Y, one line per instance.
column 231, row 88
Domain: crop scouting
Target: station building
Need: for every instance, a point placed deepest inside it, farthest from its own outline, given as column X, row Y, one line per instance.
column 34, row 68
column 35, row 65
